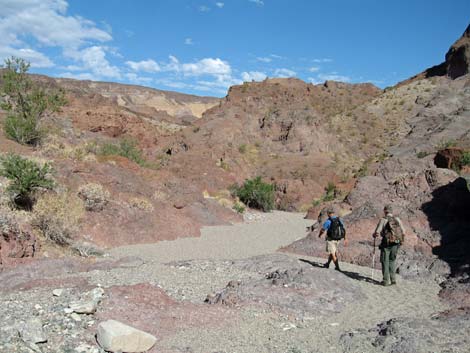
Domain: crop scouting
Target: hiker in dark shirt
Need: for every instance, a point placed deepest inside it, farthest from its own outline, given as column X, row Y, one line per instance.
column 335, row 231
column 391, row 229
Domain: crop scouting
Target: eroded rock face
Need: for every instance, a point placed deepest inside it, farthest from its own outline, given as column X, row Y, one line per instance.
column 17, row 240
column 432, row 202
column 458, row 56
column 447, row 330
column 289, row 286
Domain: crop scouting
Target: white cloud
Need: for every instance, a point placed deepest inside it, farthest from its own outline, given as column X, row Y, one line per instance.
column 276, row 56
column 314, row 69
column 314, row 80
column 93, row 59
column 134, row 78
column 264, row 59
column 334, row 77
column 79, row 76
column 323, row 60
column 144, row 65
column 204, row 8
column 284, row 73
column 188, row 41
column 47, row 23
column 35, row 58
column 253, row 76
column 206, row 66
column 257, row 2
column 219, row 4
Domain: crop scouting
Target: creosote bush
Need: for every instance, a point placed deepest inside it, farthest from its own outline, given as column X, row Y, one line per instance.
column 25, row 103
column 58, row 216
column 125, row 148
column 26, row 177
column 94, row 195
column 255, row 193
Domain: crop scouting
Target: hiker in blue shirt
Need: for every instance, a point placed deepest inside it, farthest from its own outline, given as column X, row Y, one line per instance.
column 335, row 231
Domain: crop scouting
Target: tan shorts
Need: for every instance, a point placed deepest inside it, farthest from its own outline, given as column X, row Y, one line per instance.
column 332, row 246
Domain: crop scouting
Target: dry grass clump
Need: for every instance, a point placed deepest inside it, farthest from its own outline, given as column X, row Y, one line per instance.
column 94, row 195
column 141, row 204
column 58, row 216
column 56, row 147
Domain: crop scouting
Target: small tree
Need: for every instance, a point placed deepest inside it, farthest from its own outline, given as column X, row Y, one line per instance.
column 25, row 102
column 26, row 177
column 255, row 193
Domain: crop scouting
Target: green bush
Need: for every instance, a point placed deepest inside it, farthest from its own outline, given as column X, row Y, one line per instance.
column 422, row 154
column 26, row 177
column 256, row 194
column 25, row 102
column 330, row 192
column 126, row 148
column 239, row 207
column 465, row 159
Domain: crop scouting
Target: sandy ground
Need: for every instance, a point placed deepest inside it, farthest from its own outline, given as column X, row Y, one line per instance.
column 208, row 269
column 263, row 235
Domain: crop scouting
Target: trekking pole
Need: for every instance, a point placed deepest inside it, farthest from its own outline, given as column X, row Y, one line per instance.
column 373, row 262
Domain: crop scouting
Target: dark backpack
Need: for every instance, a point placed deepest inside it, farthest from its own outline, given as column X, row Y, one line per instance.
column 336, row 230
column 392, row 233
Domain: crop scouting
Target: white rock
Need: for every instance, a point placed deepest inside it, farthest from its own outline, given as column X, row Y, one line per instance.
column 96, row 294
column 76, row 317
column 57, row 292
column 68, row 310
column 32, row 331
column 115, row 336
column 84, row 307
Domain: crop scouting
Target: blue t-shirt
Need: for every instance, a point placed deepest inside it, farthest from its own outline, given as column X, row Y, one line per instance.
column 327, row 223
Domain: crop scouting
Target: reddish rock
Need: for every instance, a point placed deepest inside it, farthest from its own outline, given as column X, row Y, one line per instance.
column 449, row 158
column 17, row 241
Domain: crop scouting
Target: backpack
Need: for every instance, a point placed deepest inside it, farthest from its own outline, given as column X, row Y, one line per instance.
column 336, row 230
column 392, row 233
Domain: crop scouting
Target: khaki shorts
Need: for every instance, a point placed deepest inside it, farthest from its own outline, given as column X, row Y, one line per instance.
column 332, row 246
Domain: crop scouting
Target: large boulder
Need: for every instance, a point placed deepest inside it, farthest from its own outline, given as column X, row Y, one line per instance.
column 114, row 336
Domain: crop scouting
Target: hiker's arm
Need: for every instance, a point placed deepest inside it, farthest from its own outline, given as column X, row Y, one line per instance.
column 321, row 232
column 379, row 228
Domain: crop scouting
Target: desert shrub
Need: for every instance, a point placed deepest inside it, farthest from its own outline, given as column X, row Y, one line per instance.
column 465, row 159
column 242, row 148
column 26, row 177
column 446, row 144
column 141, row 204
column 238, row 207
column 330, row 192
column 25, row 103
column 125, row 148
column 94, row 196
column 422, row 154
column 256, row 194
column 85, row 249
column 58, row 216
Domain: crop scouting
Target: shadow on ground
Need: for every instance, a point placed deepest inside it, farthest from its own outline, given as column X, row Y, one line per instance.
column 353, row 275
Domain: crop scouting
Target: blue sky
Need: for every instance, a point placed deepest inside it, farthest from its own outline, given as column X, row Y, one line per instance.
column 205, row 46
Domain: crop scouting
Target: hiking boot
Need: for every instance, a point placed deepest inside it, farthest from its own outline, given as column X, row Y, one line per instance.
column 326, row 264
column 337, row 266
column 393, row 283
column 385, row 284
